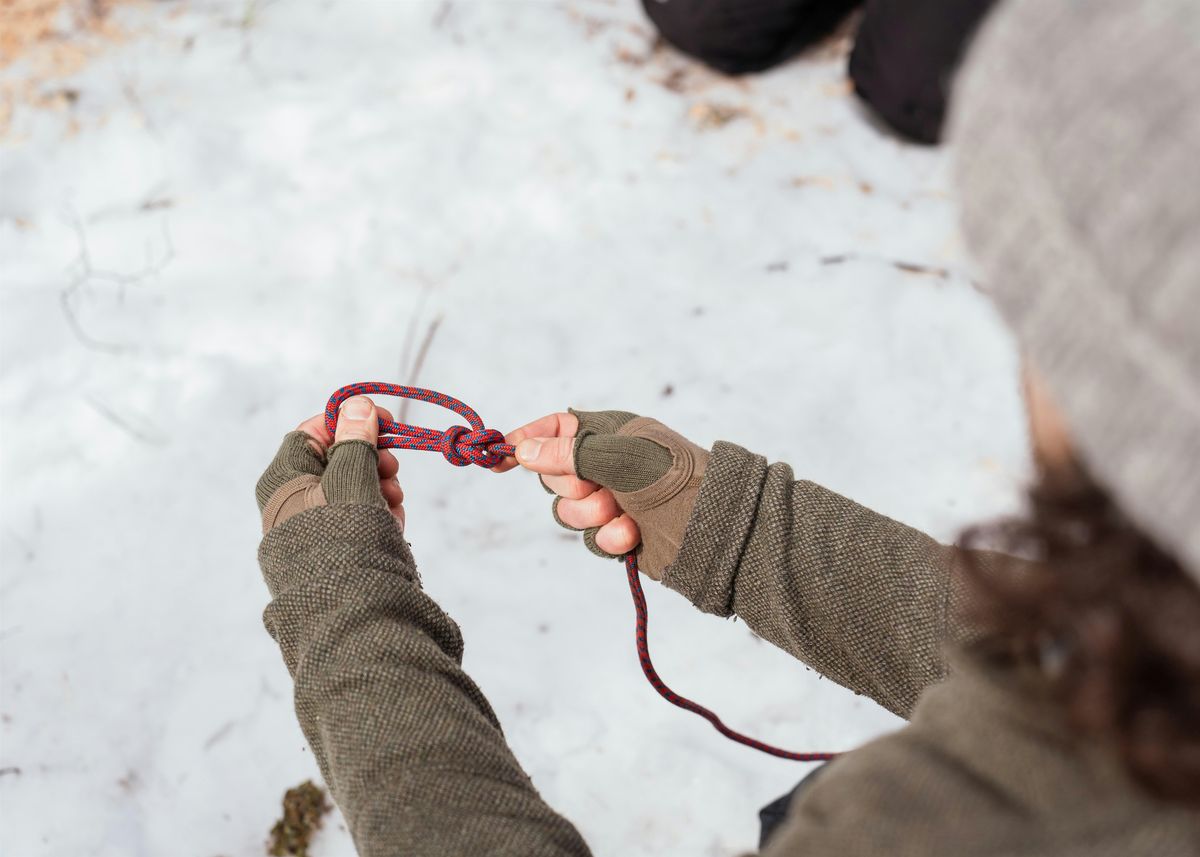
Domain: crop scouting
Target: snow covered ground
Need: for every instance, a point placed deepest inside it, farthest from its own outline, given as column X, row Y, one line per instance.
column 251, row 204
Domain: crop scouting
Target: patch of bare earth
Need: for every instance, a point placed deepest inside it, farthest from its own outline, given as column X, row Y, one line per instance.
column 304, row 809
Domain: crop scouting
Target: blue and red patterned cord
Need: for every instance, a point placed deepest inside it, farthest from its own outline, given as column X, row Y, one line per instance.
column 460, row 445
column 486, row 447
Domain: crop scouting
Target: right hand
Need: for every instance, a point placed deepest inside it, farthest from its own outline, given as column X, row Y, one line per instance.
column 546, row 446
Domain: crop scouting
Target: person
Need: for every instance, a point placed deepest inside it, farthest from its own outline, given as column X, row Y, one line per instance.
column 902, row 65
column 1048, row 666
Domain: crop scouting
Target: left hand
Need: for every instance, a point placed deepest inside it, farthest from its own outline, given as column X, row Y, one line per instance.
column 299, row 469
column 366, row 428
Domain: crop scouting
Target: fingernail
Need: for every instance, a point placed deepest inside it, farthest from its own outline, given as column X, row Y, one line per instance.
column 358, row 408
column 528, row 450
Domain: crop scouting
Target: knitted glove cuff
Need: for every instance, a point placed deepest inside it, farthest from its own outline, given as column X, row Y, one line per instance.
column 352, row 477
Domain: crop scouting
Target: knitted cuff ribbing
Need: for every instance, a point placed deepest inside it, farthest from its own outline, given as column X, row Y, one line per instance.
column 352, row 476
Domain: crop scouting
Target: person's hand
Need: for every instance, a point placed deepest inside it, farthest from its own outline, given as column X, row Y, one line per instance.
column 361, row 422
column 628, row 482
column 313, row 469
column 547, row 447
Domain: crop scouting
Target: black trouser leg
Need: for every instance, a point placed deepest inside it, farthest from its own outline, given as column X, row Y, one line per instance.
column 773, row 814
column 738, row 36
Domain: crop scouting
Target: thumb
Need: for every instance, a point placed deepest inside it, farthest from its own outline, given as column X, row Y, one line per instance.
column 550, row 456
column 352, row 477
column 357, row 421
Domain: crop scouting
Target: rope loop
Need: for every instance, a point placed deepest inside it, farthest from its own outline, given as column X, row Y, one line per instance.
column 459, row 444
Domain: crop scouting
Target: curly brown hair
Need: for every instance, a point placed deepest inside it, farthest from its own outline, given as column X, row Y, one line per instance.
column 1110, row 618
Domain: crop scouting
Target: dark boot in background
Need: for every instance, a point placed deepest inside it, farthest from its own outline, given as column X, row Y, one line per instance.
column 904, row 57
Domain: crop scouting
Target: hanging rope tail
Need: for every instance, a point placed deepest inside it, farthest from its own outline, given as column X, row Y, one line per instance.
column 485, row 447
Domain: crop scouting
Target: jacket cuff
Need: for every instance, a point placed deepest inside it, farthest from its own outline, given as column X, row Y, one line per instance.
column 705, row 569
column 331, row 540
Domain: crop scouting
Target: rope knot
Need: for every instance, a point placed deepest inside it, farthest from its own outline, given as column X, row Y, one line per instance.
column 461, row 446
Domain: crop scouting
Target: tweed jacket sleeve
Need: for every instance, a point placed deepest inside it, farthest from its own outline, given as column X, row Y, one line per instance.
column 410, row 748
column 862, row 599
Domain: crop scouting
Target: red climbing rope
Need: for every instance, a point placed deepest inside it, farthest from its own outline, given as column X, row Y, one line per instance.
column 486, row 447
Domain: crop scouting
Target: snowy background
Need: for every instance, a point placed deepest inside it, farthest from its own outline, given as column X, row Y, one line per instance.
column 240, row 207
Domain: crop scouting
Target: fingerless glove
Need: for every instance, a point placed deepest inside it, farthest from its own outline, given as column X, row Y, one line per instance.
column 653, row 472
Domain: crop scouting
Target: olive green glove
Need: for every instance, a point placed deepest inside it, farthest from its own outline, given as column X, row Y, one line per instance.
column 301, row 477
column 653, row 472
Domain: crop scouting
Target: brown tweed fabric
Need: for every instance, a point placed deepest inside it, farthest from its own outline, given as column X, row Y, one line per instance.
column 409, row 747
column 985, row 769
column 416, row 759
column 860, row 598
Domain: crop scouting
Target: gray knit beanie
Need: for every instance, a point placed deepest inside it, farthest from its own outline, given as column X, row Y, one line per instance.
column 1077, row 133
